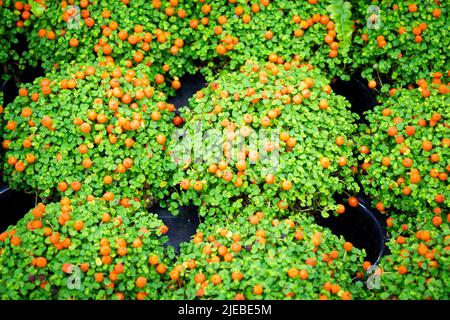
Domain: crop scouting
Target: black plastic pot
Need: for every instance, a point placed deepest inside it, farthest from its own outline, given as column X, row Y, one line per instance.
column 10, row 91
column 357, row 92
column 13, row 206
column 181, row 227
column 190, row 84
column 10, row 88
column 363, row 226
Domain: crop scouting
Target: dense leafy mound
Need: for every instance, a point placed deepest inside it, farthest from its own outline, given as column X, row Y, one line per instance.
column 406, row 151
column 171, row 35
column 401, row 41
column 89, row 129
column 149, row 32
column 235, row 31
column 264, row 147
column 83, row 250
column 255, row 256
column 273, row 135
column 418, row 266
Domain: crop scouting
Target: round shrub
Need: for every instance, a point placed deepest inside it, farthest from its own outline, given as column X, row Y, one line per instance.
column 149, row 32
column 83, row 250
column 272, row 135
column 418, row 266
column 172, row 35
column 401, row 42
column 405, row 152
column 255, row 256
column 227, row 33
column 89, row 130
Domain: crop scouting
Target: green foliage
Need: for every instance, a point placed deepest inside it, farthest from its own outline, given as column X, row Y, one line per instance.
column 340, row 12
column 399, row 57
column 418, row 266
column 264, row 147
column 45, row 257
column 12, row 25
column 108, row 124
column 236, row 32
column 138, row 32
column 416, row 177
column 36, row 8
column 272, row 135
column 290, row 259
column 212, row 33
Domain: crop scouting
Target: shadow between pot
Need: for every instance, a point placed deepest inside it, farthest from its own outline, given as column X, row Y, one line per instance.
column 10, row 91
column 357, row 92
column 10, row 87
column 190, row 84
column 181, row 227
column 13, row 206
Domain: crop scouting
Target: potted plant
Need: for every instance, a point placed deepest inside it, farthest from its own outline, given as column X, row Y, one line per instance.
column 89, row 130
column 397, row 43
column 417, row 267
column 405, row 151
column 154, row 34
column 257, row 256
column 78, row 249
column 226, row 35
column 273, row 135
